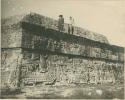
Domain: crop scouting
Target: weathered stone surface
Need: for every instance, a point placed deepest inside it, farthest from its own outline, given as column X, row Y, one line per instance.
column 50, row 23
column 11, row 36
column 70, row 70
column 10, row 67
column 34, row 52
column 73, row 46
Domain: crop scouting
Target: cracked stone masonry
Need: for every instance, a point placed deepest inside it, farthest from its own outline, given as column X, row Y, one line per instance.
column 35, row 52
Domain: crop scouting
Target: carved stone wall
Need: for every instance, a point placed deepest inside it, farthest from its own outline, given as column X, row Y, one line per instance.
column 45, row 68
column 35, row 52
column 68, row 44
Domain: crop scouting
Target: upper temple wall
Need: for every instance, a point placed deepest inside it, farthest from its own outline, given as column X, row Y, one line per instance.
column 50, row 23
column 34, row 31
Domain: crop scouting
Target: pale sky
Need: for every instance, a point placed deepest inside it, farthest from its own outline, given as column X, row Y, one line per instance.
column 106, row 17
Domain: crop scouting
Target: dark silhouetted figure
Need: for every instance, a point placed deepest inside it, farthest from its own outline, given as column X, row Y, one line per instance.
column 61, row 23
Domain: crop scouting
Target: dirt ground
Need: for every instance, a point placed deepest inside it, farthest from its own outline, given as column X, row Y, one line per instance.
column 114, row 92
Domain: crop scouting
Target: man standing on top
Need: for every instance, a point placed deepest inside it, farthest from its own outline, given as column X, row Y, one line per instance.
column 71, row 25
column 61, row 23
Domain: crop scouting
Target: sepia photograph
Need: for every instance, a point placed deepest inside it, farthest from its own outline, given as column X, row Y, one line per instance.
column 62, row 49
